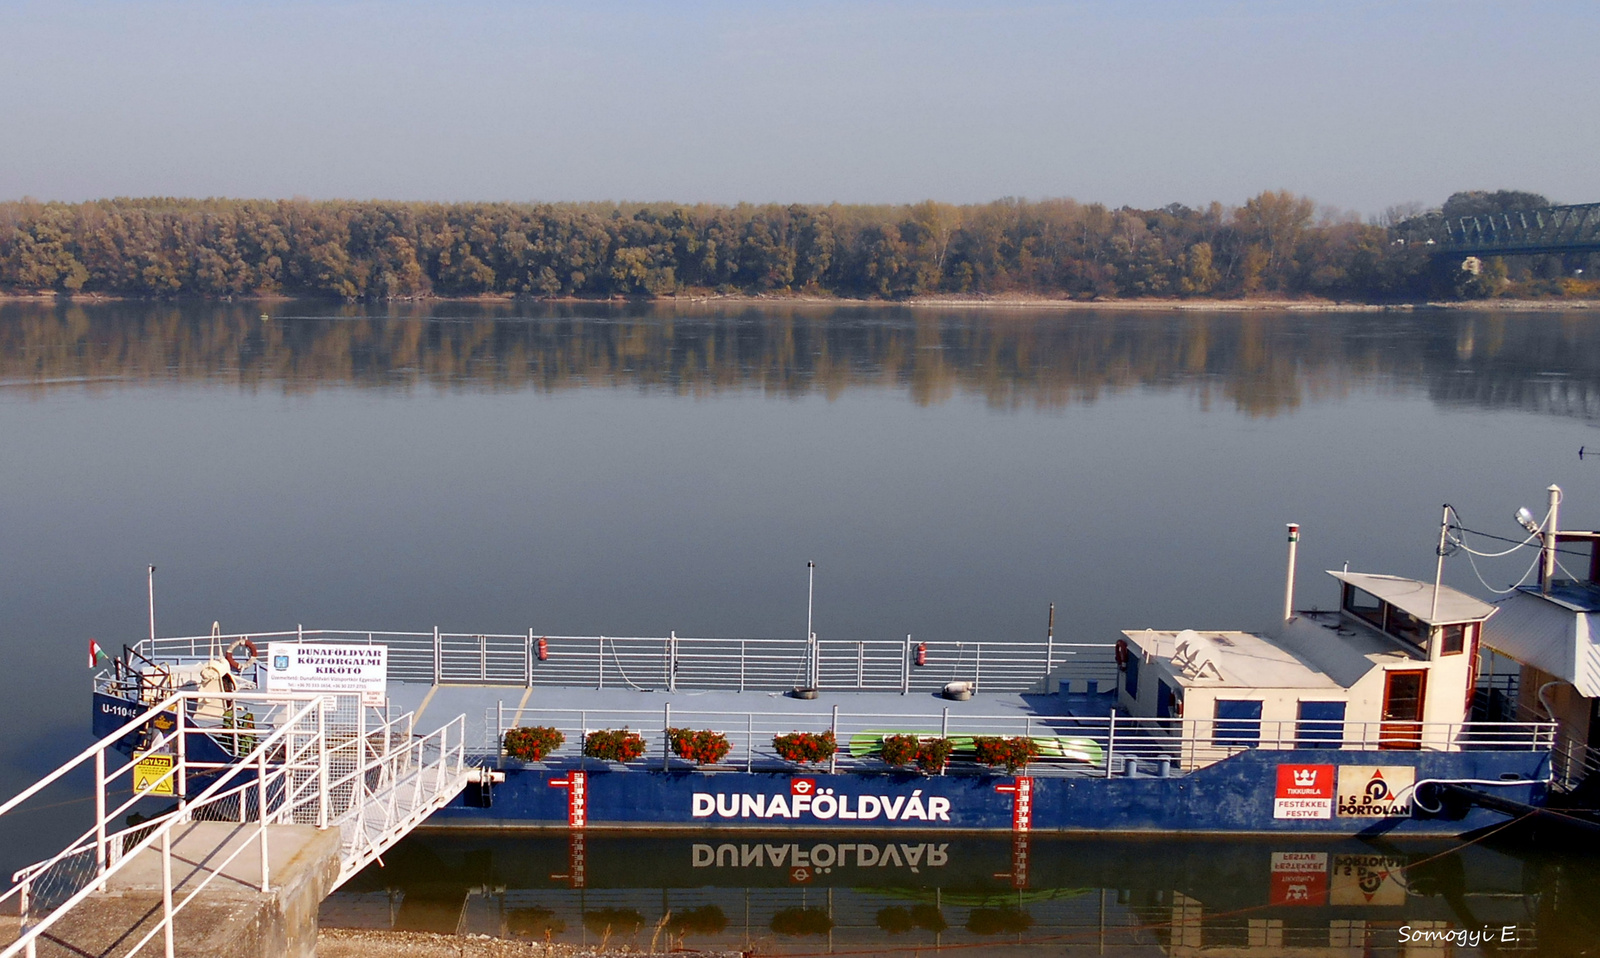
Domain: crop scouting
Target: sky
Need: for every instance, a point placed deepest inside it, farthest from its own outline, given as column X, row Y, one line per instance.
column 1358, row 105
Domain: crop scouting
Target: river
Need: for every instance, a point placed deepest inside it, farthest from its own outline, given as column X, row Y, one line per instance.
column 639, row 469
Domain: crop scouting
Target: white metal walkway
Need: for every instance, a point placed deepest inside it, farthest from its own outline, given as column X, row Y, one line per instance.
column 240, row 758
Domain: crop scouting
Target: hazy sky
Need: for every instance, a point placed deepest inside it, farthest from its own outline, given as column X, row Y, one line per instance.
column 1356, row 104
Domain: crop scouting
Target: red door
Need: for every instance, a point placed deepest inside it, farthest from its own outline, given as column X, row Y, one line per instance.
column 1402, row 709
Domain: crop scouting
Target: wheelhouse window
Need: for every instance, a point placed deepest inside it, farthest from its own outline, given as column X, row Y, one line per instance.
column 1363, row 605
column 1406, row 627
column 1238, row 723
column 1453, row 639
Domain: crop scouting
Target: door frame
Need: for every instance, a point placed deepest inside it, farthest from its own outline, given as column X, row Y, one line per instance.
column 1402, row 733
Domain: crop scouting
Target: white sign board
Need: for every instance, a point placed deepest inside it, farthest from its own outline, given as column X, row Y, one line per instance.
column 325, row 667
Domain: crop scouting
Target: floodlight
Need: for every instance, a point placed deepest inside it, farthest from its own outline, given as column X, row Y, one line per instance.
column 1525, row 518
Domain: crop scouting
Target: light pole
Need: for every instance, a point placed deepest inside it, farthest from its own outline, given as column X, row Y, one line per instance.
column 151, row 579
column 811, row 637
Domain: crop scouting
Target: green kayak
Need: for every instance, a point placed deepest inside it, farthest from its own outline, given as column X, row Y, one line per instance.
column 870, row 742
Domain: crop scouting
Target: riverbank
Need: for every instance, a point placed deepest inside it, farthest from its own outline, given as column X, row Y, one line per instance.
column 918, row 302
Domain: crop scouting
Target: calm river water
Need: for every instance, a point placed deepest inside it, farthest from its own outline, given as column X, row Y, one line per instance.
column 590, row 469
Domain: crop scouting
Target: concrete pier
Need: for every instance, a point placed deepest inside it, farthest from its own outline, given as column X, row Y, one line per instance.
column 231, row 916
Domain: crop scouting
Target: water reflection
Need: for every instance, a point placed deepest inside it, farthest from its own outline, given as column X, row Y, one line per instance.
column 1258, row 363
column 788, row 893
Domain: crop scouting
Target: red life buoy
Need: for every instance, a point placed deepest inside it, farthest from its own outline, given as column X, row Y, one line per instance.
column 1122, row 655
column 248, row 646
column 922, row 653
column 543, row 649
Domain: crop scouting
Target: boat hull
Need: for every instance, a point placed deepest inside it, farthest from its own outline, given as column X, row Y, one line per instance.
column 1238, row 795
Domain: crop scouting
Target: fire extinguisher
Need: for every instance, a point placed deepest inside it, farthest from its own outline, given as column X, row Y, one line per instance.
column 543, row 649
column 922, row 653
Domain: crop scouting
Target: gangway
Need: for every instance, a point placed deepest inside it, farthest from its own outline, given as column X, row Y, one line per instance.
column 275, row 773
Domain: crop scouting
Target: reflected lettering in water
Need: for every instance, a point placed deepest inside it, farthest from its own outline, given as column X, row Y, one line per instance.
column 783, row 892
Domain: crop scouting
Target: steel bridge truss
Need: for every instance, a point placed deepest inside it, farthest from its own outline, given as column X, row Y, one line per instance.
column 1549, row 230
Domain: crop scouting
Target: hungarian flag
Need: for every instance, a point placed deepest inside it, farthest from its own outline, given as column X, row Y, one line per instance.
column 96, row 654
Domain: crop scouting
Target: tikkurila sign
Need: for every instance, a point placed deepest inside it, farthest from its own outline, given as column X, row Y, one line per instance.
column 1304, row 791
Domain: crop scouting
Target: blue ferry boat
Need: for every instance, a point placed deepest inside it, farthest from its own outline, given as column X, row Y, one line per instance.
column 1351, row 721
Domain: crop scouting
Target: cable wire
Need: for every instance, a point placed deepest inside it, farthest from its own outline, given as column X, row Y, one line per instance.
column 1514, row 586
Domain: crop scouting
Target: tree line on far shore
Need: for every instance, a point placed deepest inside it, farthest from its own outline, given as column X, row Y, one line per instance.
column 1276, row 244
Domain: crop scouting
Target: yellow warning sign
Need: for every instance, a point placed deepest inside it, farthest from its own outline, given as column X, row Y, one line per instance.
column 147, row 775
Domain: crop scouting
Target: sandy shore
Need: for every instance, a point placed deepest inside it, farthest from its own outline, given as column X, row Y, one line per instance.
column 357, row 943
column 919, row 302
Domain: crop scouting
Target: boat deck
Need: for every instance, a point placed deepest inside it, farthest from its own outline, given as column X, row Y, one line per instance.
column 490, row 710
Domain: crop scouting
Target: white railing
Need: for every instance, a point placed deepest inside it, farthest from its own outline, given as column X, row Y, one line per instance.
column 1574, row 760
column 675, row 662
column 1099, row 746
column 303, row 759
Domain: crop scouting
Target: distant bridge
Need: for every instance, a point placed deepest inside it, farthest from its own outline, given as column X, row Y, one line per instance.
column 1534, row 232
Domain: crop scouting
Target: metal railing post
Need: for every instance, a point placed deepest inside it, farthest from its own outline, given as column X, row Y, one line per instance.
column 977, row 667
column 833, row 760
column 99, row 815
column 183, row 758
column 672, row 662
column 741, row 664
column 905, row 667
column 861, row 663
column 483, row 658
column 944, row 723
column 322, row 765
column 600, row 657
column 22, row 913
column 166, row 888
column 527, row 659
column 1111, row 741
column 666, row 737
column 438, row 657
column 261, row 810
column 749, row 741
column 1049, row 648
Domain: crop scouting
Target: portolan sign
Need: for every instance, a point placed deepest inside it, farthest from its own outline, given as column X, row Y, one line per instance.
column 1376, row 791
column 806, row 801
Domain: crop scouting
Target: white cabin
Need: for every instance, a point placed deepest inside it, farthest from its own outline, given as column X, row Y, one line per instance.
column 1554, row 634
column 1391, row 668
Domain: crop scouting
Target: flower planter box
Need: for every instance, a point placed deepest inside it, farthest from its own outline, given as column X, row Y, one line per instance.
column 614, row 745
column 806, row 748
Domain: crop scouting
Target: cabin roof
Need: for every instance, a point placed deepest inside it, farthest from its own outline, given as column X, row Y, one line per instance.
column 1416, row 597
column 1575, row 596
column 1241, row 660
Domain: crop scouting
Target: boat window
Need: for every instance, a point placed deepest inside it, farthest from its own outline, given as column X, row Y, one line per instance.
column 1238, row 723
column 1166, row 696
column 1452, row 639
column 1407, row 627
column 1131, row 677
column 1363, row 605
column 1319, row 725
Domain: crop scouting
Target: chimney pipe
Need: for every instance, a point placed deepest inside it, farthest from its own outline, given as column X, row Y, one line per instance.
column 1551, row 525
column 1288, row 586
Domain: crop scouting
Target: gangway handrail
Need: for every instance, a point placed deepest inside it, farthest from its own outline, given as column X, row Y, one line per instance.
column 93, row 750
column 298, row 748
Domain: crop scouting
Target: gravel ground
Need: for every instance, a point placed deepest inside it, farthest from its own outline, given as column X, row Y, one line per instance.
column 361, row 943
